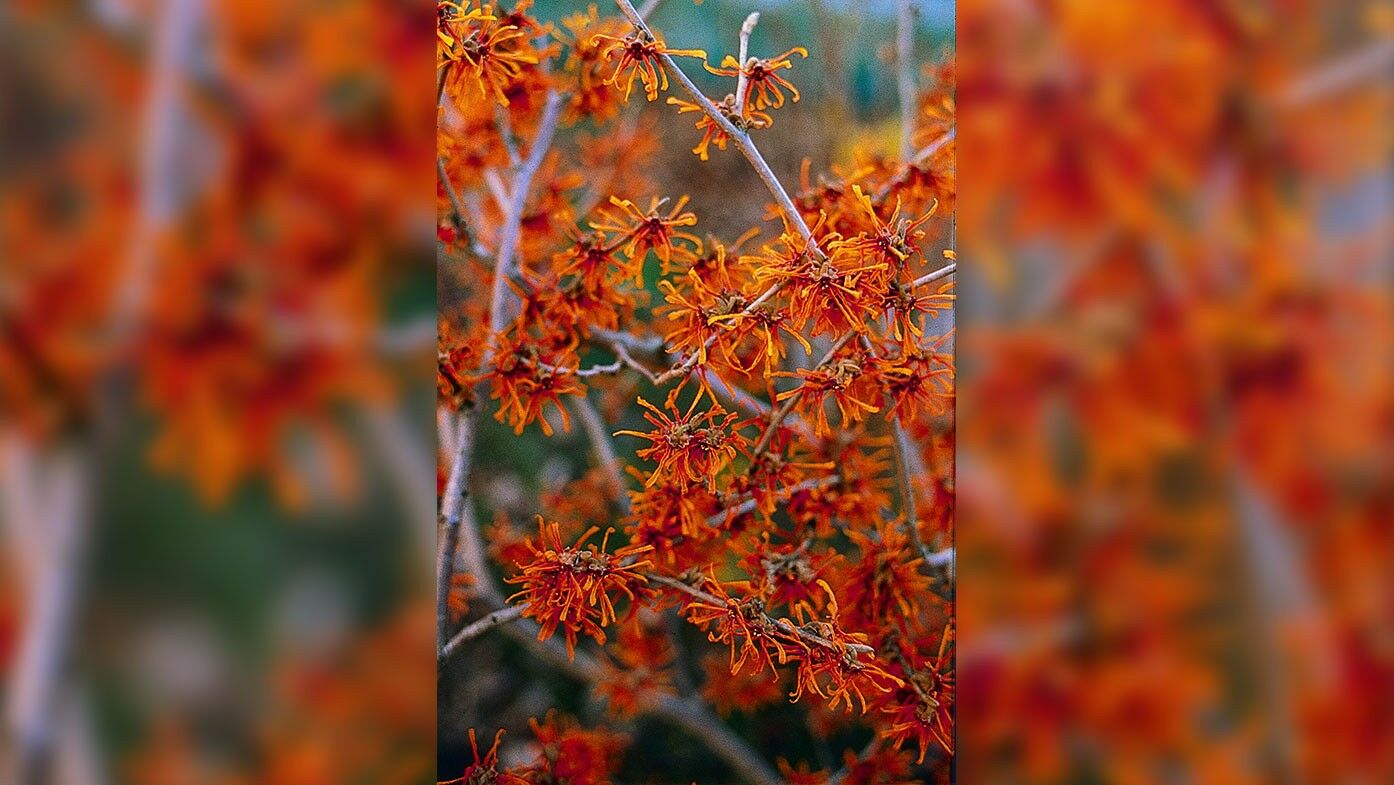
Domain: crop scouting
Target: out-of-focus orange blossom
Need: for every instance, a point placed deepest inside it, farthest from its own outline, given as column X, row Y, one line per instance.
column 1179, row 401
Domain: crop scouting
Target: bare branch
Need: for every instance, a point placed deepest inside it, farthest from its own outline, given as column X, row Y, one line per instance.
column 453, row 507
column 942, row 272
column 456, row 206
column 604, row 447
column 905, row 74
column 784, row 625
column 903, row 449
column 747, row 28
column 512, row 223
column 479, row 627
column 792, row 401
column 738, row 136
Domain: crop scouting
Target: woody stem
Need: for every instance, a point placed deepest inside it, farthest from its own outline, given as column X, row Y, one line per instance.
column 513, row 218
column 742, row 78
column 905, row 74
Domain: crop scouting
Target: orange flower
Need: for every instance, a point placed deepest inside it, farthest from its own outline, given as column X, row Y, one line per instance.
column 573, row 755
column 592, row 95
column 842, row 380
column 836, row 292
column 764, row 87
column 920, row 380
column 712, row 132
column 491, row 50
column 885, row 585
column 451, row 18
column 575, row 588
column 892, row 241
column 651, row 229
column 743, row 692
column 836, row 671
column 485, row 767
column 689, row 449
column 524, row 381
column 641, row 56
column 923, row 706
column 740, row 623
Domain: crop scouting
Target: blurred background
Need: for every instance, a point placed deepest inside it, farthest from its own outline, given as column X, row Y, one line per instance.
column 217, row 323
column 1175, row 415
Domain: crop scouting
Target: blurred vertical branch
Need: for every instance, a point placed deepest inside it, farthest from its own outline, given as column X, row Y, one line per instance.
column 905, row 74
column 51, row 518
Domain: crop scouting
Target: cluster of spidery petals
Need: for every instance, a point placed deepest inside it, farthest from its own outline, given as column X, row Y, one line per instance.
column 485, row 769
column 593, row 94
column 672, row 517
column 478, row 44
column 835, row 291
column 893, row 240
column 636, row 667
column 690, row 448
column 832, row 663
column 575, row 588
column 921, row 707
column 886, row 585
column 525, row 378
column 565, row 752
column 654, row 229
column 835, row 671
column 764, row 86
column 639, row 55
column 918, row 380
column 846, row 380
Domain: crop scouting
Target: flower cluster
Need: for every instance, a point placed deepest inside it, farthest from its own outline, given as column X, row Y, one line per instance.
column 748, row 397
column 575, row 588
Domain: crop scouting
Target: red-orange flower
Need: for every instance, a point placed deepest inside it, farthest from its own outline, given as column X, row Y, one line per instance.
column 650, row 228
column 690, row 449
column 489, row 49
column 640, row 55
column 922, row 707
column 524, row 381
column 842, row 379
column 575, row 588
column 839, row 670
column 764, row 87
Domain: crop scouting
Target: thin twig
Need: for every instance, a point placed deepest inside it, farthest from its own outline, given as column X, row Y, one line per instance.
column 510, row 143
column 497, row 189
column 479, row 627
column 604, row 447
column 907, row 488
column 748, row 504
column 738, row 136
column 456, row 206
column 1371, row 62
column 513, row 219
column 784, row 625
column 747, row 28
column 905, row 74
column 453, row 507
column 687, row 365
column 942, row 272
column 938, row 559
